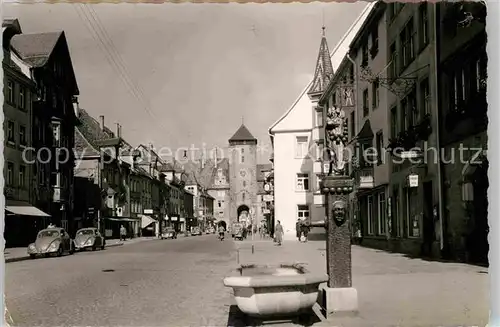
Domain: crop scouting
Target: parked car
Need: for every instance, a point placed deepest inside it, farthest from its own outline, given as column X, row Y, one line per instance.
column 196, row 231
column 89, row 238
column 51, row 241
column 168, row 233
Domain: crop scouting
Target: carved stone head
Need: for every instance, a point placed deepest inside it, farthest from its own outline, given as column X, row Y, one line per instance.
column 339, row 212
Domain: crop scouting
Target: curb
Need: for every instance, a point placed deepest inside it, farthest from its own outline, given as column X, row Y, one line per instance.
column 27, row 257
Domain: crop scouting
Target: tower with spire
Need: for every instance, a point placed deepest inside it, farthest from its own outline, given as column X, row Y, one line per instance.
column 324, row 69
column 242, row 176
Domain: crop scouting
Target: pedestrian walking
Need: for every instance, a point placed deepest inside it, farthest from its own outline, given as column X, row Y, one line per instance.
column 123, row 233
column 298, row 226
column 278, row 233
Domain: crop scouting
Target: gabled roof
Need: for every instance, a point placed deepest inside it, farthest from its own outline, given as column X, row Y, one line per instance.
column 324, row 69
column 242, row 134
column 88, row 134
column 35, row 48
column 341, row 49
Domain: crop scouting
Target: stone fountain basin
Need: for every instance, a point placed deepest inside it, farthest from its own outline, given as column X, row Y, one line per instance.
column 275, row 290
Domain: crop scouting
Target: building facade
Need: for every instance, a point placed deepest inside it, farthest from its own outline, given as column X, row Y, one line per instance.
column 21, row 188
column 242, row 176
column 297, row 139
column 461, row 86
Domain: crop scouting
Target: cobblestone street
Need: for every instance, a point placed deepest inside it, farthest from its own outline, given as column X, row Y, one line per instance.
column 179, row 283
column 152, row 283
column 393, row 290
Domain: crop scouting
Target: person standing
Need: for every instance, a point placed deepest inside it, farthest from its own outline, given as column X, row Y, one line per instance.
column 298, row 226
column 123, row 233
column 278, row 233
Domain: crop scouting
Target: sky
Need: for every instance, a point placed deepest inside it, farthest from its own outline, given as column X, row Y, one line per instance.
column 188, row 75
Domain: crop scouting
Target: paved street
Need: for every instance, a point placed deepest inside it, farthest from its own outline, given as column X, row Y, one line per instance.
column 179, row 283
column 154, row 283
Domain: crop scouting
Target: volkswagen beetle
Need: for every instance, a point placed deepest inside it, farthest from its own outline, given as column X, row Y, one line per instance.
column 51, row 241
column 89, row 238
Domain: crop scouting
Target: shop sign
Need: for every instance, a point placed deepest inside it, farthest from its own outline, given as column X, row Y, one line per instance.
column 148, row 211
column 173, row 218
column 413, row 180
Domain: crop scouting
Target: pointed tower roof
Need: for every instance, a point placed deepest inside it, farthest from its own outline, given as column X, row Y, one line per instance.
column 324, row 68
column 242, row 135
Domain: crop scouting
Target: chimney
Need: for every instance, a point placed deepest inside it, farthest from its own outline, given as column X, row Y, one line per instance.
column 202, row 160
column 118, row 130
column 101, row 120
column 215, row 157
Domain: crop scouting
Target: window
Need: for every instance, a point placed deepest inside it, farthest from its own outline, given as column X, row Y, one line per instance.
column 380, row 146
column 374, row 48
column 219, row 204
column 375, row 94
column 393, row 64
column 366, row 109
column 10, row 174
column 10, row 132
column 22, row 98
column 412, row 212
column 382, row 213
column 10, row 92
column 22, row 135
column 319, row 151
column 41, row 177
column 394, row 122
column 423, row 25
column 244, row 183
column 56, row 180
column 479, row 74
column 406, row 38
column 350, row 74
column 364, row 55
column 22, row 176
column 334, row 99
column 353, row 124
column 56, row 130
column 302, row 182
column 243, row 196
column 424, row 97
column 412, row 108
column 404, row 115
column 301, row 147
column 220, row 194
column 302, row 211
column 370, row 214
column 319, row 118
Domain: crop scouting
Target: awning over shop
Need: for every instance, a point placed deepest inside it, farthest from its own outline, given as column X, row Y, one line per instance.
column 122, row 219
column 26, row 210
column 146, row 221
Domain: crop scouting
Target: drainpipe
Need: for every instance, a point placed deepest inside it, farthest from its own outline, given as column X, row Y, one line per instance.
column 437, row 56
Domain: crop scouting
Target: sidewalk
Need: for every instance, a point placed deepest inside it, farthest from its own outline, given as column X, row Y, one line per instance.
column 393, row 290
column 20, row 254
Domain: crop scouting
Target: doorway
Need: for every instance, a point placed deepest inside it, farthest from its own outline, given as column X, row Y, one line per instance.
column 428, row 219
column 478, row 242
